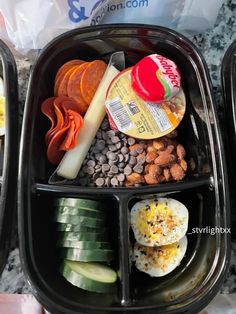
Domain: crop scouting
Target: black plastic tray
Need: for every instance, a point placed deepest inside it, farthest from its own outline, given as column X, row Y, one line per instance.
column 8, row 176
column 205, row 191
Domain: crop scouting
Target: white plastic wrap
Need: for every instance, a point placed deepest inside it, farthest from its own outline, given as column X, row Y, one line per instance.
column 30, row 24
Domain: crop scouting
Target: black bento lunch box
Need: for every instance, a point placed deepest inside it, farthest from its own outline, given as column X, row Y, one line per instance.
column 8, row 153
column 204, row 191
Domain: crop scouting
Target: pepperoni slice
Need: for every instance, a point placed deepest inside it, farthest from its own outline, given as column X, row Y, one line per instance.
column 59, row 125
column 62, row 70
column 91, row 78
column 66, row 66
column 76, row 122
column 62, row 88
column 73, row 88
column 47, row 108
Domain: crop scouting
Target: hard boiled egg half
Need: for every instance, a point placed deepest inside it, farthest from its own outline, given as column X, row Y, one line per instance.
column 160, row 221
column 159, row 261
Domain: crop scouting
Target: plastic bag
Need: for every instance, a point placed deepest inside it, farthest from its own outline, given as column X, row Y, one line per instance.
column 30, row 24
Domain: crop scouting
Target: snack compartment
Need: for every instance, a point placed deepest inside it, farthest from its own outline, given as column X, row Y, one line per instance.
column 40, row 243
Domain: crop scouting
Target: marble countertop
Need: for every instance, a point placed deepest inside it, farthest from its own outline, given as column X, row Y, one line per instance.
column 213, row 45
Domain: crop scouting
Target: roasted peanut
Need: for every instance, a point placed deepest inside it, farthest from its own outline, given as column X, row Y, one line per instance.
column 180, row 151
column 151, row 148
column 177, row 172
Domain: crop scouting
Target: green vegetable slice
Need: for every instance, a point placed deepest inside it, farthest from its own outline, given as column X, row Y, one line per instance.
column 78, row 236
column 66, row 210
column 89, row 276
column 79, row 220
column 78, row 202
column 84, row 245
column 93, row 255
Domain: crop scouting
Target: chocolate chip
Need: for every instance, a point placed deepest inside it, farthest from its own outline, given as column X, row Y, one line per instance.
column 114, row 169
column 112, row 162
column 121, row 165
column 105, row 136
column 121, row 177
column 100, row 182
column 118, row 145
column 111, row 133
column 111, row 156
column 131, row 141
column 91, row 163
column 105, row 150
column 126, row 158
column 127, row 170
column 102, row 159
column 99, row 134
column 105, row 167
column 100, row 145
column 115, row 139
column 90, row 170
column 112, row 148
column 114, row 182
column 95, row 176
column 121, row 157
column 124, row 150
column 132, row 160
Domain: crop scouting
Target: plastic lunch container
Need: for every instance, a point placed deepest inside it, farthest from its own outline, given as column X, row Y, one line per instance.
column 204, row 192
column 8, row 152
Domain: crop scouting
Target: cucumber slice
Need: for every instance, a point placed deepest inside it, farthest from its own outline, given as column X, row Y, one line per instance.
column 93, row 255
column 89, row 276
column 79, row 220
column 78, row 228
column 78, row 236
column 78, row 202
column 84, row 245
column 66, row 210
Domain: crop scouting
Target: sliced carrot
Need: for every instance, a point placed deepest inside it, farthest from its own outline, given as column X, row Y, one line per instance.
column 91, row 78
column 73, row 88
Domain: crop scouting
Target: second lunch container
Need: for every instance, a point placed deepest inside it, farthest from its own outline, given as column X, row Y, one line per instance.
column 204, row 191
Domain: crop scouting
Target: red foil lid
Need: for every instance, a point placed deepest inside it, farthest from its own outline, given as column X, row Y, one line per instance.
column 156, row 78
